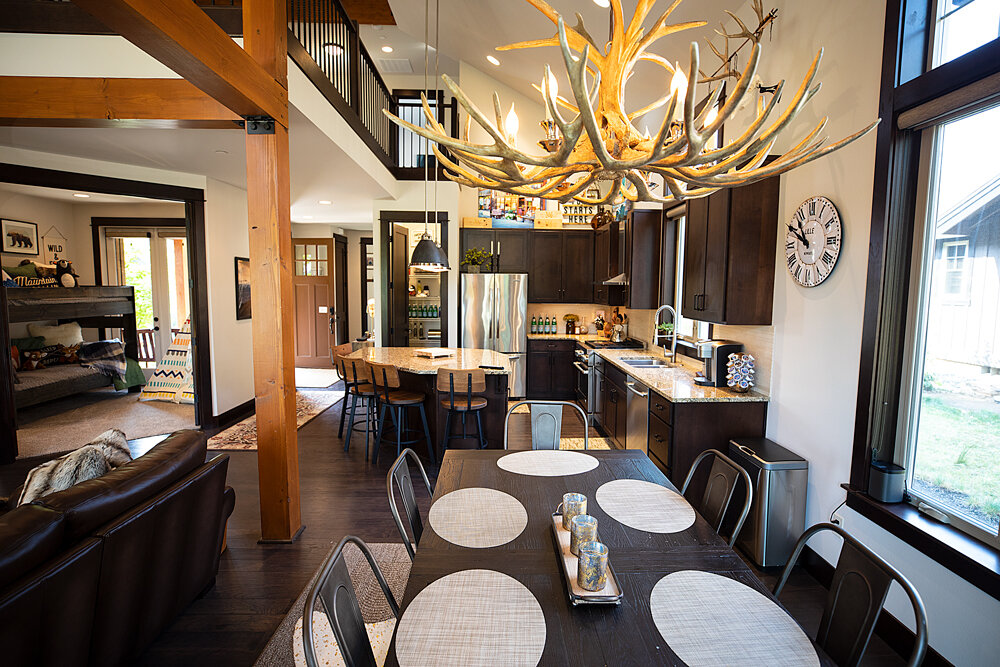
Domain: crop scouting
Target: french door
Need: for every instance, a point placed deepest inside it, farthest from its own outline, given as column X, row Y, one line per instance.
column 152, row 260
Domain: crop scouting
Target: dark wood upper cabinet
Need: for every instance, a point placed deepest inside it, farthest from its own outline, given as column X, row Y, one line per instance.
column 512, row 251
column 729, row 251
column 642, row 258
column 607, row 265
column 508, row 246
column 561, row 267
column 578, row 266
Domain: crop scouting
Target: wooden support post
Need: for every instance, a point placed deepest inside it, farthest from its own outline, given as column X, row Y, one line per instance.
column 269, row 209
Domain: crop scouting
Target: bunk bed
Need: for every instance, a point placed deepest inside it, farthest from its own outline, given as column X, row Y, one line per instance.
column 92, row 307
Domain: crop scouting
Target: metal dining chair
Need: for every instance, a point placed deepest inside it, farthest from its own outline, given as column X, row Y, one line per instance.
column 334, row 588
column 719, row 490
column 857, row 593
column 546, row 425
column 400, row 473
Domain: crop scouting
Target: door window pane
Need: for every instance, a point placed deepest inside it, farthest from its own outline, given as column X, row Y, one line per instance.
column 954, row 455
column 300, row 251
column 300, row 268
column 177, row 280
column 321, row 252
column 963, row 26
column 136, row 270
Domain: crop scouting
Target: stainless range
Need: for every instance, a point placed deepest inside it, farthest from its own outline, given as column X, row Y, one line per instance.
column 586, row 373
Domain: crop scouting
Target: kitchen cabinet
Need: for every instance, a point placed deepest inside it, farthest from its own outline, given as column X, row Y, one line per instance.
column 612, row 415
column 643, row 263
column 550, row 372
column 607, row 264
column 509, row 248
column 561, row 267
column 729, row 251
column 679, row 432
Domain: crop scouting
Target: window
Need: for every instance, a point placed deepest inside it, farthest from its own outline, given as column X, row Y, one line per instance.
column 686, row 327
column 311, row 259
column 951, row 438
column 962, row 26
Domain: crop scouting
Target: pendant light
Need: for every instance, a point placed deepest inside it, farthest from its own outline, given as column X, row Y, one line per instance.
column 428, row 255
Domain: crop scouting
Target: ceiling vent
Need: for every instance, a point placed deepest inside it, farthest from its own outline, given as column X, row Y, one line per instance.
column 394, row 65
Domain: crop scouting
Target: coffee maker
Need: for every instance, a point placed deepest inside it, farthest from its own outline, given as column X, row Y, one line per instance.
column 716, row 355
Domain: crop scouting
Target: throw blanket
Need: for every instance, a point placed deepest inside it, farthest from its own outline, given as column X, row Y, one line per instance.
column 106, row 357
column 105, row 453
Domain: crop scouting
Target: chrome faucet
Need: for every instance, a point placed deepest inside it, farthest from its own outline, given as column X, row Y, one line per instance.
column 673, row 337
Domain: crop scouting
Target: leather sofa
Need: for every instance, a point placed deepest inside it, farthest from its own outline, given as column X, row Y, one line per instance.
column 91, row 575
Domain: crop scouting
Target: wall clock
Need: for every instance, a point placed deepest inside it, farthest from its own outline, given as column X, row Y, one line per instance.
column 812, row 243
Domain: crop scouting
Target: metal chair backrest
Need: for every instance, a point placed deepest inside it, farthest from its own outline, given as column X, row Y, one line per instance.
column 548, row 423
column 719, row 490
column 857, row 592
column 400, row 473
column 467, row 381
column 333, row 586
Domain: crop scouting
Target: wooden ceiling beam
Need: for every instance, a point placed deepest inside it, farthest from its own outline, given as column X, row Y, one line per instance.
column 49, row 98
column 182, row 37
column 369, row 12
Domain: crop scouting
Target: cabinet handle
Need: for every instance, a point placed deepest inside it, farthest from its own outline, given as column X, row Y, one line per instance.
column 658, row 438
column 659, row 407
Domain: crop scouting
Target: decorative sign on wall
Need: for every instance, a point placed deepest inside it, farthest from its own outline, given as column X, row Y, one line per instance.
column 19, row 238
column 53, row 246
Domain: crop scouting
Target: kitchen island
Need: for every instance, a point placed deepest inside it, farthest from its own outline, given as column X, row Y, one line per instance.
column 418, row 373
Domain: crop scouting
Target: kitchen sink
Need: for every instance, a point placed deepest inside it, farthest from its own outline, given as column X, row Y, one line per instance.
column 647, row 362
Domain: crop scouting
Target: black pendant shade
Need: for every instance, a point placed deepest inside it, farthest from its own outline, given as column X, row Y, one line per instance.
column 428, row 256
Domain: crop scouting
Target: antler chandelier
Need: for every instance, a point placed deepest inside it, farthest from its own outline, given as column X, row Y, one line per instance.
column 601, row 143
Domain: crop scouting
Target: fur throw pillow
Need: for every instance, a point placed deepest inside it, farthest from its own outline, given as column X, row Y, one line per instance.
column 105, row 453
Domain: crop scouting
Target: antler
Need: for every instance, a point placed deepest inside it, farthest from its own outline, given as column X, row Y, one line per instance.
column 601, row 143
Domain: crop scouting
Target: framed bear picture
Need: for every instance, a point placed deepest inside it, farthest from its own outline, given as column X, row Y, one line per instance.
column 19, row 238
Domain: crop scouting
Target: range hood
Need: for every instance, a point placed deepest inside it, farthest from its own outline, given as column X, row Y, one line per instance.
column 620, row 279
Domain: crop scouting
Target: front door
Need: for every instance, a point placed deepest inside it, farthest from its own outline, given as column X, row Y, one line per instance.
column 312, row 284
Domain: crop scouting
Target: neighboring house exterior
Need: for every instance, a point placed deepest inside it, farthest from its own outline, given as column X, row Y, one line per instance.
column 964, row 316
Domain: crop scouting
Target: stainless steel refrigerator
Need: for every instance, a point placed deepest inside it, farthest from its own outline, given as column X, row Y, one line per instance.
column 494, row 317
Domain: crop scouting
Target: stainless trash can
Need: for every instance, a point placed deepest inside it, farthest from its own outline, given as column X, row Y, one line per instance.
column 778, row 514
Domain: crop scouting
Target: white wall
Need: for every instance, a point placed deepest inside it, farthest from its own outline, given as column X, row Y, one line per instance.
column 354, row 304
column 812, row 407
column 230, row 340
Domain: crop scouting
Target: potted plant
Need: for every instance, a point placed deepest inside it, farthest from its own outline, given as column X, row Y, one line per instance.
column 474, row 258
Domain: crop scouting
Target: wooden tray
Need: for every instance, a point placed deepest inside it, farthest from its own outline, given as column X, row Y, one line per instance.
column 612, row 593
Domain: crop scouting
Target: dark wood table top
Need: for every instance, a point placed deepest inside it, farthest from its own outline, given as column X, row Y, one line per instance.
column 584, row 635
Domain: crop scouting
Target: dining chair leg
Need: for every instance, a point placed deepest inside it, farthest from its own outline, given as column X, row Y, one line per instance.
column 379, row 432
column 350, row 421
column 479, row 429
column 447, row 432
column 427, row 434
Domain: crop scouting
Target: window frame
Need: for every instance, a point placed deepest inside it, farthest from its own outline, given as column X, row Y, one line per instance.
column 909, row 85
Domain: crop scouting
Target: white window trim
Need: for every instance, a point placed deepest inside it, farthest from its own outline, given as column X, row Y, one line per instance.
column 921, row 270
column 962, row 296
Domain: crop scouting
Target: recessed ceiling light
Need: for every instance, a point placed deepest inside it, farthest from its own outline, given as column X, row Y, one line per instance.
column 333, row 49
column 493, row 60
column 325, row 202
column 307, row 217
column 386, row 49
column 81, row 195
column 602, row 3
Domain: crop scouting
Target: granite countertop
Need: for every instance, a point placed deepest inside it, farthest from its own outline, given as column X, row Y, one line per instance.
column 404, row 359
column 677, row 383
column 580, row 338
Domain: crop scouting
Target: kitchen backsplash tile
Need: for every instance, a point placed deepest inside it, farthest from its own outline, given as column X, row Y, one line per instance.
column 586, row 311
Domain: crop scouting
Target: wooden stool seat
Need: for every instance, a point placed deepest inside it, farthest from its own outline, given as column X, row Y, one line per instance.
column 463, row 405
column 403, row 397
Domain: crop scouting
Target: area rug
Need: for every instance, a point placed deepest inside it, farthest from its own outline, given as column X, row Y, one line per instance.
column 67, row 423
column 395, row 565
column 243, row 436
column 316, row 378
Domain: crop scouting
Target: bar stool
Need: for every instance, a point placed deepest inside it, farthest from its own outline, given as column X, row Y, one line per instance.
column 467, row 382
column 341, row 351
column 357, row 378
column 396, row 400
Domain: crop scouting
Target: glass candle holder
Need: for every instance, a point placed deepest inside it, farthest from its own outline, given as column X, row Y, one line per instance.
column 573, row 504
column 592, row 568
column 583, row 529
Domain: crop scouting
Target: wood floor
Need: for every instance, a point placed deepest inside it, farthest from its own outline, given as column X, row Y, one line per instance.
column 341, row 495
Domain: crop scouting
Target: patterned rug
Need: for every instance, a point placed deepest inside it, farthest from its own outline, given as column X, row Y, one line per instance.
column 395, row 565
column 243, row 436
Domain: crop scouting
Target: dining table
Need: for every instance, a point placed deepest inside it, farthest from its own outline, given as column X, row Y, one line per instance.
column 642, row 560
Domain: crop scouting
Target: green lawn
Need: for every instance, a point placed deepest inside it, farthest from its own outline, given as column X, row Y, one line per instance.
column 959, row 450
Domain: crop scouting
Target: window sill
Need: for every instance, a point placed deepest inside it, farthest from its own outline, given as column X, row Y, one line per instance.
column 977, row 563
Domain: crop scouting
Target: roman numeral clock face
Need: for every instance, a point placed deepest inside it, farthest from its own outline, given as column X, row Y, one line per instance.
column 812, row 242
